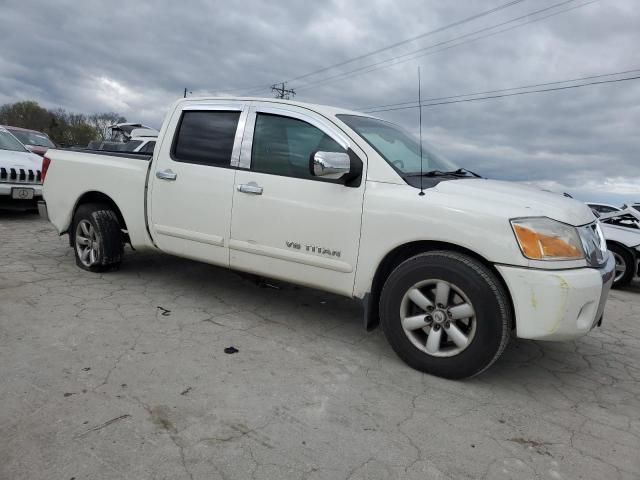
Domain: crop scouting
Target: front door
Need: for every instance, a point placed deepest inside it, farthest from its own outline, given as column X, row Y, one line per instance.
column 286, row 223
column 191, row 187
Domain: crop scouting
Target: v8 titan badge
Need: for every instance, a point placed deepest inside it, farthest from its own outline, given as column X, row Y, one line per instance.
column 22, row 193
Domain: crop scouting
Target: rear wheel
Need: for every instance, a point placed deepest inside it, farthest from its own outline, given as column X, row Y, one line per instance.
column 97, row 238
column 625, row 265
column 446, row 314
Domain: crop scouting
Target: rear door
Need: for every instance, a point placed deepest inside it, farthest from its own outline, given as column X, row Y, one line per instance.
column 191, row 187
column 286, row 223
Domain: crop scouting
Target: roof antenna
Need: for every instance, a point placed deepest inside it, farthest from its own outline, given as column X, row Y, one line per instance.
column 420, row 110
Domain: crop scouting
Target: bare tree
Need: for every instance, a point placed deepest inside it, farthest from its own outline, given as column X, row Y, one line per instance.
column 102, row 121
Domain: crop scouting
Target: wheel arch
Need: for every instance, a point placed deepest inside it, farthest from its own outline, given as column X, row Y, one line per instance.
column 631, row 251
column 403, row 252
column 95, row 196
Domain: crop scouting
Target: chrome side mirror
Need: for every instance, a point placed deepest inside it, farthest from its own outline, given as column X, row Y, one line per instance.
column 330, row 165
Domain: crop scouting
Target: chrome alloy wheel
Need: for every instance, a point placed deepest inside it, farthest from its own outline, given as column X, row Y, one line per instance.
column 438, row 318
column 621, row 266
column 87, row 243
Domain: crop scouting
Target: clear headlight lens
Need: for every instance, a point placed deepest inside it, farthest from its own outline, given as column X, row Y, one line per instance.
column 593, row 243
column 542, row 238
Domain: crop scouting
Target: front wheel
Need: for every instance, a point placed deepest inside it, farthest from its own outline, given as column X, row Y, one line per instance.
column 446, row 314
column 97, row 238
column 625, row 265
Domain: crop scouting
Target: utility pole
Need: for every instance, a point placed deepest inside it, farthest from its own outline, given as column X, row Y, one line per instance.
column 281, row 92
column 185, row 93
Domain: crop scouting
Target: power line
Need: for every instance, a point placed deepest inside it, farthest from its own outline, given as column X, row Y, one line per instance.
column 281, row 92
column 397, row 44
column 409, row 40
column 412, row 55
column 591, row 77
column 506, row 95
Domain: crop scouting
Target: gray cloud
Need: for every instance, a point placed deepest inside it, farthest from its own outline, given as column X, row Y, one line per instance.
column 95, row 55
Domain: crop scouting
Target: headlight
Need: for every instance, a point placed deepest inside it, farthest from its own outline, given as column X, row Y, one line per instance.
column 541, row 238
column 593, row 243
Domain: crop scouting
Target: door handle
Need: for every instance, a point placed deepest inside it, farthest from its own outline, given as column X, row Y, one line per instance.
column 166, row 175
column 251, row 188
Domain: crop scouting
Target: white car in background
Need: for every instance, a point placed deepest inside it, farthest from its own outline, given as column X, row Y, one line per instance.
column 603, row 207
column 20, row 174
column 621, row 228
column 142, row 140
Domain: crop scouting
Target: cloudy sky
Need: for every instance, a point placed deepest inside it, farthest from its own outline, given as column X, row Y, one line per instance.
column 136, row 57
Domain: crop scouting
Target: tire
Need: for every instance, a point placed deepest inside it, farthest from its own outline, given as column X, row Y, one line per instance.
column 476, row 292
column 625, row 265
column 100, row 224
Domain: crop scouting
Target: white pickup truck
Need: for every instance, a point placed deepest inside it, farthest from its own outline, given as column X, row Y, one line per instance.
column 450, row 264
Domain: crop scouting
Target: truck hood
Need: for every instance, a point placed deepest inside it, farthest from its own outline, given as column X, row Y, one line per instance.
column 515, row 200
column 26, row 160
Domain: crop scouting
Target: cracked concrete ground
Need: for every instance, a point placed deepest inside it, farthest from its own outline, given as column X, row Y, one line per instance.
column 124, row 375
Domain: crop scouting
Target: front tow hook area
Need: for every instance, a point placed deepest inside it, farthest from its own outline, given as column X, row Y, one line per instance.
column 42, row 210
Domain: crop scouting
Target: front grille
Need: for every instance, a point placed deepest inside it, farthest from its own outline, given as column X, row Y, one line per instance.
column 20, row 175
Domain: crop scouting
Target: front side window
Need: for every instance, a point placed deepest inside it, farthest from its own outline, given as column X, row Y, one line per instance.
column 283, row 145
column 206, row 137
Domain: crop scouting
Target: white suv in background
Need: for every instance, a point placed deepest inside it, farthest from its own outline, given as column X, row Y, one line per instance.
column 20, row 174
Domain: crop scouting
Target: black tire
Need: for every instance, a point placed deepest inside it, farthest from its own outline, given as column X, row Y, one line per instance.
column 623, row 254
column 108, row 231
column 493, row 316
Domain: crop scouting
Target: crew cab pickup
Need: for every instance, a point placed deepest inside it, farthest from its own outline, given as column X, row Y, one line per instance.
column 450, row 264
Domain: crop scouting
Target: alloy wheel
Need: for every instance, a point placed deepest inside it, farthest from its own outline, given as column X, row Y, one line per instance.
column 438, row 318
column 87, row 243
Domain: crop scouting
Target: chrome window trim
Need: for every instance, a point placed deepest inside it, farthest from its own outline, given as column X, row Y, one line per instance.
column 237, row 142
column 247, row 141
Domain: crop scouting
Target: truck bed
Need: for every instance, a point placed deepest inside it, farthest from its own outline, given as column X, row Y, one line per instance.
column 121, row 176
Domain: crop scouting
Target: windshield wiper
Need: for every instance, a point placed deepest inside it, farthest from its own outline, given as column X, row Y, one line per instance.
column 461, row 172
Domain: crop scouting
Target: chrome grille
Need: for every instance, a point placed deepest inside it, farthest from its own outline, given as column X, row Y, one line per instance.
column 20, row 175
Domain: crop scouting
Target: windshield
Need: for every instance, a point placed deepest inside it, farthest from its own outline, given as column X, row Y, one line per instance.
column 397, row 146
column 9, row 142
column 32, row 138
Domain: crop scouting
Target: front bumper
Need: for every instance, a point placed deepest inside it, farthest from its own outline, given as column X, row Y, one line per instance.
column 6, row 188
column 9, row 203
column 558, row 304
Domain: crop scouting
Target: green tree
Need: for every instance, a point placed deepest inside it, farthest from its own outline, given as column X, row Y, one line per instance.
column 64, row 128
column 26, row 114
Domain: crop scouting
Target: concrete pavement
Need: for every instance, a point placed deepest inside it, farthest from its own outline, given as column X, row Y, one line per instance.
column 125, row 375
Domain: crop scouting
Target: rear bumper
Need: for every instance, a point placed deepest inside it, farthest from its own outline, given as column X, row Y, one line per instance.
column 558, row 304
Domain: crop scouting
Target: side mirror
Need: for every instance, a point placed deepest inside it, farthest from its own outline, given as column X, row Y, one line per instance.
column 330, row 165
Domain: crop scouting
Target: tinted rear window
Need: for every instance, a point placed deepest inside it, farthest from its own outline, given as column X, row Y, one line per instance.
column 206, row 137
